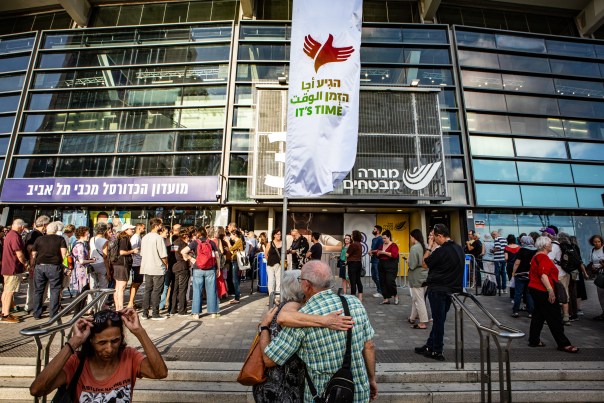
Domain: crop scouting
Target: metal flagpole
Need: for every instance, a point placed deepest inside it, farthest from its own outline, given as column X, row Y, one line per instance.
column 283, row 237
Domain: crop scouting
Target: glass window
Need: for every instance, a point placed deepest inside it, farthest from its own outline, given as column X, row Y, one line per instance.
column 487, row 170
column 39, row 144
column 579, row 88
column 448, row 120
column 544, row 172
column 375, row 11
column 270, row 33
column 539, row 85
column 590, row 198
column 11, row 83
column 153, row 13
column 430, row 76
column 477, row 39
column 542, row 127
column 481, row 79
column 524, row 63
column 238, row 190
column 478, row 59
column 446, row 98
column 244, row 118
column 382, row 34
column 4, row 144
column 199, row 141
column 264, row 52
column 570, row 48
column 582, row 109
column 238, row 164
column 274, row 10
column 452, row 144
column 522, row 43
column 241, row 140
column 455, row 169
column 42, row 123
column 88, row 143
column 243, row 95
column 130, row 15
column 579, row 128
column 457, row 192
column 254, row 72
column 588, row 174
column 197, row 165
column 13, row 63
column 105, row 16
column 207, row 118
column 479, row 122
column 522, row 104
column 12, row 44
column 548, row 196
column 6, row 124
column 9, row 103
column 575, row 68
column 495, row 146
column 498, row 195
column 224, row 10
column 586, row 151
column 176, row 12
column 156, row 165
column 144, row 142
column 540, row 148
column 54, row 80
column 202, row 96
column 424, row 35
column 486, row 101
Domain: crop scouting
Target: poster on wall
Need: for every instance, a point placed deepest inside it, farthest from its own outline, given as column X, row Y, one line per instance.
column 118, row 218
column 398, row 224
column 365, row 224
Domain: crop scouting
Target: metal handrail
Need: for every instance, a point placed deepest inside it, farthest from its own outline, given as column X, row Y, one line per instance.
column 495, row 330
column 55, row 325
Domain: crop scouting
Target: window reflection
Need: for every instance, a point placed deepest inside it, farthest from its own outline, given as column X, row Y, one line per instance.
column 478, row 59
column 6, row 124
column 522, row 104
column 575, row 68
column 542, row 127
column 494, row 170
column 590, row 198
column 582, row 109
column 524, row 63
column 494, row 146
column 479, row 122
column 548, row 196
column 498, row 195
column 586, row 151
column 481, row 40
column 523, row 43
column 588, row 174
column 544, row 172
column 540, row 148
column 12, row 83
column 485, row 101
column 13, row 63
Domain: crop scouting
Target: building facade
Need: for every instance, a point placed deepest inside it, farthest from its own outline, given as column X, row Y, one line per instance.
column 169, row 109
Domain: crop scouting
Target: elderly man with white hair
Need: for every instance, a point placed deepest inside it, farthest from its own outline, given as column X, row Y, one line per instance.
column 321, row 349
column 47, row 254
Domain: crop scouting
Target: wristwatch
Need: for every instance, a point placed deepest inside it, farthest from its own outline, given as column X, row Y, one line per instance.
column 261, row 328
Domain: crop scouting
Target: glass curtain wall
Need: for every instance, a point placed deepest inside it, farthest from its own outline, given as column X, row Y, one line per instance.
column 535, row 116
column 128, row 102
column 391, row 55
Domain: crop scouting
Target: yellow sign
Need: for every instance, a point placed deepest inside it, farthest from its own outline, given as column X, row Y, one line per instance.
column 398, row 224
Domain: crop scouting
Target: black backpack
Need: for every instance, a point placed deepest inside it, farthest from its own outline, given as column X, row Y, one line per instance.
column 340, row 387
column 569, row 259
column 489, row 287
column 114, row 250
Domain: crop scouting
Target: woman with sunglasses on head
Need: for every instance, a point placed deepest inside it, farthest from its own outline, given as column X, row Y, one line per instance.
column 110, row 368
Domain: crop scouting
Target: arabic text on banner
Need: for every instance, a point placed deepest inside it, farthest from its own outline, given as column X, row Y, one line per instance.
column 323, row 100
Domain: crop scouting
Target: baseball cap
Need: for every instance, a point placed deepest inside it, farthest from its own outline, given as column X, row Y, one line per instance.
column 127, row 227
column 548, row 231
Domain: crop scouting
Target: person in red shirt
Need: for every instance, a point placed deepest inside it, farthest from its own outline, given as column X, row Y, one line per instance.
column 542, row 275
column 13, row 264
column 110, row 368
column 388, row 268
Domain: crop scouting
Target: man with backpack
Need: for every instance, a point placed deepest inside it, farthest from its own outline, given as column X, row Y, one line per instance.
column 570, row 263
column 204, row 267
column 323, row 350
column 154, row 263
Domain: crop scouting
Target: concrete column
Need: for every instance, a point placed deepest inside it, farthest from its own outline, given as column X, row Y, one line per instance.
column 271, row 222
column 429, row 8
column 591, row 18
column 247, row 8
column 78, row 10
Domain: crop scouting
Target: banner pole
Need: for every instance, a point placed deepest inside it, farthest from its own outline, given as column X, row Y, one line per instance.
column 283, row 238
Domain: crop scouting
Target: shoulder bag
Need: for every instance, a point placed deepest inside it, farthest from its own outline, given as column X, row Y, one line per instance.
column 599, row 280
column 67, row 394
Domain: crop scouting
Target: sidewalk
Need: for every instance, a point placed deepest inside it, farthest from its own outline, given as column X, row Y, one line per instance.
column 227, row 339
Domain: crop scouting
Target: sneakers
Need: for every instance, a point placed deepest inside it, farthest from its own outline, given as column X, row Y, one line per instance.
column 159, row 317
column 9, row 319
column 144, row 317
column 515, row 315
column 395, row 300
column 423, row 350
column 377, row 295
column 573, row 318
column 215, row 315
column 435, row 356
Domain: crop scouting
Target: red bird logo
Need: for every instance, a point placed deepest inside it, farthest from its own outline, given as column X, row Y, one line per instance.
column 323, row 54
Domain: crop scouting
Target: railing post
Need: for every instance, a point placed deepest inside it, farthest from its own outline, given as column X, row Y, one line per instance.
column 488, row 358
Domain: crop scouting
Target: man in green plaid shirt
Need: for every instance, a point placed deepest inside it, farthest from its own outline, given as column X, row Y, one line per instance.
column 323, row 349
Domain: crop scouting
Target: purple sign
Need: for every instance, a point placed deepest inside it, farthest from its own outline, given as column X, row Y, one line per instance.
column 148, row 189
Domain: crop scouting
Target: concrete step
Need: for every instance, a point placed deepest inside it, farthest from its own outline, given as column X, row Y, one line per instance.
column 178, row 391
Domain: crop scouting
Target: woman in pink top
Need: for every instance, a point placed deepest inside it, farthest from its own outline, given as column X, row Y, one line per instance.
column 388, row 268
column 105, row 369
column 542, row 276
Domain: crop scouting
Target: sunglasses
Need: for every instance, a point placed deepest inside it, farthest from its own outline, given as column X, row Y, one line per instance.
column 103, row 316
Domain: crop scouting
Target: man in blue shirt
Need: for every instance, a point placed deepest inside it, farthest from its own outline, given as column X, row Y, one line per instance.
column 376, row 244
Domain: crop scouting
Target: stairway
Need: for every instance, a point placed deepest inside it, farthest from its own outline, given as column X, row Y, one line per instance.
column 429, row 382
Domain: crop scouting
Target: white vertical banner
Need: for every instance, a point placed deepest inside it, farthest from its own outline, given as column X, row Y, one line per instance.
column 323, row 100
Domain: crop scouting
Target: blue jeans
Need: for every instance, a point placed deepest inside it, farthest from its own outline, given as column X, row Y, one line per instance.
column 205, row 278
column 521, row 288
column 440, row 302
column 235, row 276
column 167, row 280
column 375, row 275
column 501, row 275
column 52, row 275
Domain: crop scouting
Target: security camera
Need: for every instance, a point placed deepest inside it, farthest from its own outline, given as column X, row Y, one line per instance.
column 218, row 194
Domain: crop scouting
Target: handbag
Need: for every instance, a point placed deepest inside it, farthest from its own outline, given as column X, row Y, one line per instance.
column 66, row 394
column 243, row 262
column 252, row 372
column 599, row 280
column 560, row 292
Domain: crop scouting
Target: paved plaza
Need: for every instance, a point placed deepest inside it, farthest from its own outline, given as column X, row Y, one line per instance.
column 227, row 338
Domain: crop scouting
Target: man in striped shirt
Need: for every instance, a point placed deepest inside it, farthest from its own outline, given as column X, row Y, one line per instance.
column 499, row 245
